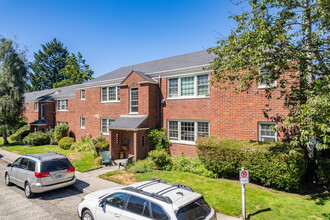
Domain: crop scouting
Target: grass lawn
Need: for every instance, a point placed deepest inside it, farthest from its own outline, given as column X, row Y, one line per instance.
column 81, row 161
column 262, row 203
column 10, row 142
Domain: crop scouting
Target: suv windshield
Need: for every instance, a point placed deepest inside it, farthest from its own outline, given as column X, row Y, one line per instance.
column 198, row 209
column 54, row 165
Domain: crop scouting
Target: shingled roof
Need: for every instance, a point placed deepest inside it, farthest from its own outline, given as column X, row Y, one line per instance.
column 170, row 63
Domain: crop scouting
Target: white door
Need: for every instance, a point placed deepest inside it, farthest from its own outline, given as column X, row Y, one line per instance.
column 112, row 207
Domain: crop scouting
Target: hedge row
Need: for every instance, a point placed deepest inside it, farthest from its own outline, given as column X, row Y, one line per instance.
column 39, row 138
column 272, row 164
column 20, row 133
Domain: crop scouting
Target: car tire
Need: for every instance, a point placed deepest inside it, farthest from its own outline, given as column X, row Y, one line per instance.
column 87, row 215
column 7, row 180
column 27, row 190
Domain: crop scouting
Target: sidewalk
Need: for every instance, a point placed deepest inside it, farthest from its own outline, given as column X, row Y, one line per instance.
column 89, row 181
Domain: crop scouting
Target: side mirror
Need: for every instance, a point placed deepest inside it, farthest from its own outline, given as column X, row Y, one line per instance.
column 102, row 203
column 9, row 165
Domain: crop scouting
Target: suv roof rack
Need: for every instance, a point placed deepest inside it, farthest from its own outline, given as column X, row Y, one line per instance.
column 153, row 195
column 158, row 195
column 34, row 155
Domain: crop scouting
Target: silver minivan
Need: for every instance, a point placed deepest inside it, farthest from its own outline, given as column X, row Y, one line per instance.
column 38, row 173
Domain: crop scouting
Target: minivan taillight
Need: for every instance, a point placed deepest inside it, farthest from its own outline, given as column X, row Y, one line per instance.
column 71, row 169
column 41, row 175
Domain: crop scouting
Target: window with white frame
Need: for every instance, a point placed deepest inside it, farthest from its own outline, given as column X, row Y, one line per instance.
column 265, row 131
column 27, row 106
column 187, row 131
column 105, row 124
column 265, row 83
column 134, row 100
column 82, row 94
column 190, row 86
column 110, row 94
column 82, row 123
column 62, row 105
column 36, row 106
column 61, row 123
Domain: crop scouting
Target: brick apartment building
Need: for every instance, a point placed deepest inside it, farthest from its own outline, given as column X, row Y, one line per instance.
column 173, row 93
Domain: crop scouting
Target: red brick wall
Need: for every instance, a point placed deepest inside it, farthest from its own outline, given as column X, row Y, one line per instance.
column 30, row 114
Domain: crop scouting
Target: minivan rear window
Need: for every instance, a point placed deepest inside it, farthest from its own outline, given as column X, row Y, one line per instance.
column 54, row 165
column 195, row 210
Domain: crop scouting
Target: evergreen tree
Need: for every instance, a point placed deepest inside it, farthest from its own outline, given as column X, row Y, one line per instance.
column 47, row 65
column 13, row 72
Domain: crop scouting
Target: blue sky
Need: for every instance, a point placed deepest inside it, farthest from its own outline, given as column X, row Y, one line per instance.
column 115, row 33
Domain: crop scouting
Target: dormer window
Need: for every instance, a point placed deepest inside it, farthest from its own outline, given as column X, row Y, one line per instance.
column 265, row 83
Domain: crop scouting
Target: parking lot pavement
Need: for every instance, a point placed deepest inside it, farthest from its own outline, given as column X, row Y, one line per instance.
column 57, row 204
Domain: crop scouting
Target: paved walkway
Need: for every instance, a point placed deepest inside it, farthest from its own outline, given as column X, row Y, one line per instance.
column 89, row 182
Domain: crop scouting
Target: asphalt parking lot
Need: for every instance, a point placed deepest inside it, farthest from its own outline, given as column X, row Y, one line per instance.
column 57, row 204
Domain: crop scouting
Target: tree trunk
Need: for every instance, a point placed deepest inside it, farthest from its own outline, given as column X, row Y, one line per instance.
column 4, row 137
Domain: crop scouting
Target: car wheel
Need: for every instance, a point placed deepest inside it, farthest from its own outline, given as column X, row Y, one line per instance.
column 87, row 215
column 28, row 192
column 7, row 180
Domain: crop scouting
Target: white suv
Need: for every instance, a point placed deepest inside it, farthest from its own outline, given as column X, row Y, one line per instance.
column 152, row 199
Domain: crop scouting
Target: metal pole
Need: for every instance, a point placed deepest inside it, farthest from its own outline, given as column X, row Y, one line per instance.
column 243, row 202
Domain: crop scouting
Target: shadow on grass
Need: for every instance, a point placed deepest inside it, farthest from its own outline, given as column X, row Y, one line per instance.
column 320, row 194
column 259, row 211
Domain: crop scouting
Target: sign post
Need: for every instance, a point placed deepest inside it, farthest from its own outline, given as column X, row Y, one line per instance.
column 244, row 179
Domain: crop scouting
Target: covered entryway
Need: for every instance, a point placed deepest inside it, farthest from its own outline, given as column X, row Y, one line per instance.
column 39, row 125
column 128, row 136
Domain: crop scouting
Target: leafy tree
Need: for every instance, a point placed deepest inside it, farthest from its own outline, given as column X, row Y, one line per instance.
column 289, row 39
column 47, row 65
column 13, row 71
column 75, row 72
column 55, row 67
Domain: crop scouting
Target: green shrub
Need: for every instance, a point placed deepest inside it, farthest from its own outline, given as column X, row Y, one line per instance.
column 50, row 134
column 158, row 140
column 85, row 145
column 323, row 170
column 100, row 138
column 143, row 166
column 65, row 143
column 20, row 133
column 161, row 159
column 61, row 131
column 102, row 146
column 97, row 160
column 21, row 122
column 272, row 164
column 37, row 138
column 191, row 165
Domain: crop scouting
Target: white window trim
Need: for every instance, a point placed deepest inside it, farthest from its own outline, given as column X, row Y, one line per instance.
column 195, row 96
column 27, row 106
column 82, row 127
column 61, row 110
column 130, row 101
column 107, row 125
column 265, row 86
column 267, row 123
column 61, row 123
column 81, row 98
column 179, row 141
column 36, row 106
column 109, row 101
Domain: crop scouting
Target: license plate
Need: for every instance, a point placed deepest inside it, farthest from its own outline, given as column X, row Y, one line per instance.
column 58, row 176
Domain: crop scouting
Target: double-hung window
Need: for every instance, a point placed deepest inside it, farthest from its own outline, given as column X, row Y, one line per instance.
column 265, row 83
column 187, row 131
column 82, row 123
column 110, row 94
column 62, row 105
column 188, row 87
column 61, row 123
column 265, row 131
column 27, row 106
column 105, row 124
column 82, row 94
column 134, row 100
column 36, row 106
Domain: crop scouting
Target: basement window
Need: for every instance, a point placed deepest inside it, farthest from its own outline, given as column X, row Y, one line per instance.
column 265, row 132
